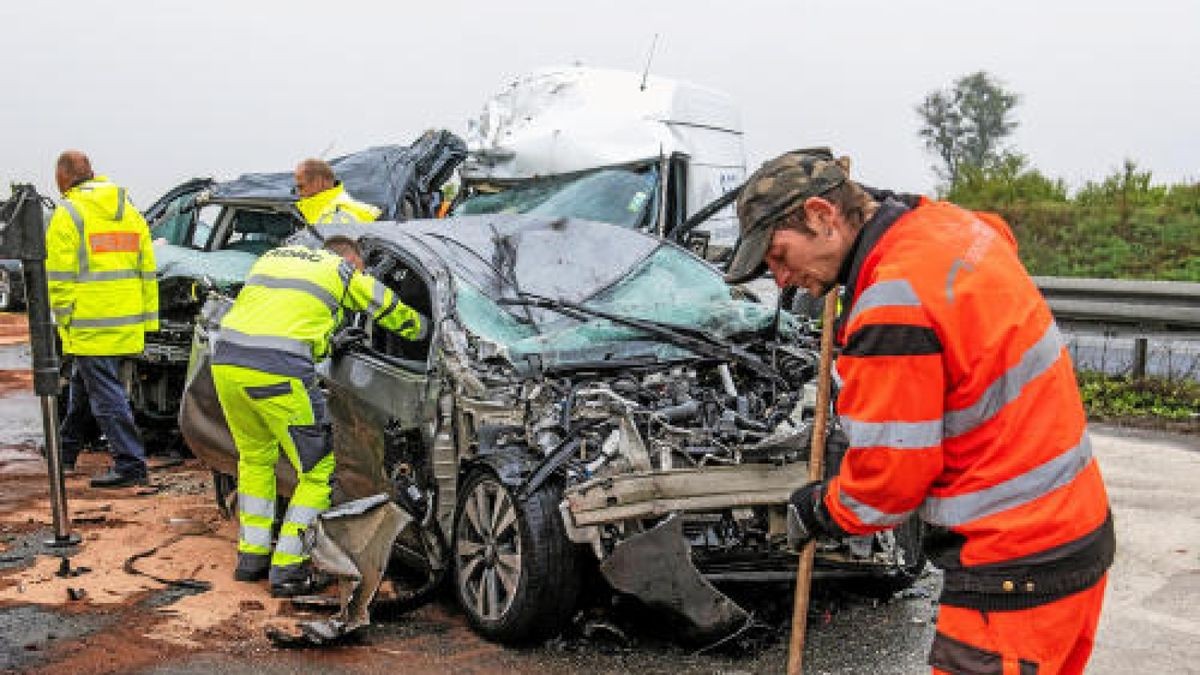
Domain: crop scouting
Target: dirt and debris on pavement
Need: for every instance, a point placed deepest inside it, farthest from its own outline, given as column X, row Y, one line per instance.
column 108, row 615
column 102, row 618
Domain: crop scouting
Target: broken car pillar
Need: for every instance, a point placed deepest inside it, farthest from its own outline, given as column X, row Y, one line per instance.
column 22, row 236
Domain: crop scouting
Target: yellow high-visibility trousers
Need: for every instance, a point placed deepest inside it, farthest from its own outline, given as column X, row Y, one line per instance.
column 267, row 412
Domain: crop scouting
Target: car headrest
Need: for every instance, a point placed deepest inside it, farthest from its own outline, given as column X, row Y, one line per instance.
column 257, row 222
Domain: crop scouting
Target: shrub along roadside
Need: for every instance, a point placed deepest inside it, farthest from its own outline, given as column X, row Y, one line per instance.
column 1123, row 227
column 1150, row 402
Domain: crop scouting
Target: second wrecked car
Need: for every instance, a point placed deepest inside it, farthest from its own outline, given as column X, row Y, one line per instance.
column 588, row 391
column 208, row 234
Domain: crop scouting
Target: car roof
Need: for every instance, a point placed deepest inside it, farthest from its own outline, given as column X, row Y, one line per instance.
column 555, row 257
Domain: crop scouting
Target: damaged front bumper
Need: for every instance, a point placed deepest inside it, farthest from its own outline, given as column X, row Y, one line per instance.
column 656, row 565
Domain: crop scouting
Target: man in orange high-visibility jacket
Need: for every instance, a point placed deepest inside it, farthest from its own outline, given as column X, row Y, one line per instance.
column 960, row 404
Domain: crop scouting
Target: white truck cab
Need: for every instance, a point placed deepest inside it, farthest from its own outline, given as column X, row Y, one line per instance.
column 608, row 145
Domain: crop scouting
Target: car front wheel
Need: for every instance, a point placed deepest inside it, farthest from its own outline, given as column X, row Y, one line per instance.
column 515, row 570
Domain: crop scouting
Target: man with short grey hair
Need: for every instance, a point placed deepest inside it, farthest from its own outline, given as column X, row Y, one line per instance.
column 323, row 198
column 960, row 404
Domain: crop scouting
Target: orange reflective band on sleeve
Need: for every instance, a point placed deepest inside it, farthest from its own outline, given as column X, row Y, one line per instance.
column 114, row 242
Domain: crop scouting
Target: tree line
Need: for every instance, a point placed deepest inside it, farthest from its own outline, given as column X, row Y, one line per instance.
column 1122, row 226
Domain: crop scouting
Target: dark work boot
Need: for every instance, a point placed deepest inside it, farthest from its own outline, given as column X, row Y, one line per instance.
column 252, row 566
column 293, row 580
column 112, row 479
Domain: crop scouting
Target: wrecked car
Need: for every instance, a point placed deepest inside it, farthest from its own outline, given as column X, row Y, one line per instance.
column 587, row 392
column 208, row 234
column 619, row 147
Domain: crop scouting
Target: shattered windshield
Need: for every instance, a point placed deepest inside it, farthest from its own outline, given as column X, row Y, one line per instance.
column 622, row 196
column 669, row 286
column 223, row 268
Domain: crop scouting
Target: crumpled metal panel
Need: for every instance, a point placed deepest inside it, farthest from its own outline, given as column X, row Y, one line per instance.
column 656, row 567
column 352, row 543
column 380, row 175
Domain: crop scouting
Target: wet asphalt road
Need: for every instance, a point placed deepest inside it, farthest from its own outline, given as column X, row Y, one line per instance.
column 1151, row 621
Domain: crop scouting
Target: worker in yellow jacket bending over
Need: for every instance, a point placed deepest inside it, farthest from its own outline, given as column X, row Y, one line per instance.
column 263, row 368
column 323, row 199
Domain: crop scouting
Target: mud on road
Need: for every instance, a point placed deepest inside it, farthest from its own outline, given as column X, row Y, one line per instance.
column 176, row 609
column 110, row 615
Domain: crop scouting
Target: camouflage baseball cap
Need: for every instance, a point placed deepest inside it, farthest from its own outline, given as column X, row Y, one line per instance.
column 778, row 188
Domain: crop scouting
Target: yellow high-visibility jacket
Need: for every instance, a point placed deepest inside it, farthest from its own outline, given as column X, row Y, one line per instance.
column 291, row 303
column 335, row 206
column 100, row 271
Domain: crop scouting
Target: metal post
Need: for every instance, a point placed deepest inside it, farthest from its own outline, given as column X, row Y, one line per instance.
column 1139, row 358
column 24, row 238
column 58, row 498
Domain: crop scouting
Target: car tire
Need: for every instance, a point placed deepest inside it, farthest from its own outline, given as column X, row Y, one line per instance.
column 910, row 539
column 516, row 574
column 417, row 573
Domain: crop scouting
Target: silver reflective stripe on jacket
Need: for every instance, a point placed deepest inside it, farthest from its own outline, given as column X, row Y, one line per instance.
column 1014, row 492
column 378, row 296
column 273, row 342
column 870, row 515
column 83, row 250
column 304, row 286
column 120, row 205
column 115, row 321
column 902, row 435
column 898, row 293
column 1034, row 362
column 110, row 275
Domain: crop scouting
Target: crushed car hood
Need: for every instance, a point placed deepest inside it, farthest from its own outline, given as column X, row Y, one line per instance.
column 498, row 258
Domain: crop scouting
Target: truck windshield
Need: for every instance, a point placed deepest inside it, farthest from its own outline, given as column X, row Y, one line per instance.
column 627, row 197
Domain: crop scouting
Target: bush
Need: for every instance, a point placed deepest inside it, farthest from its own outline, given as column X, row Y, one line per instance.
column 1149, row 399
column 1122, row 227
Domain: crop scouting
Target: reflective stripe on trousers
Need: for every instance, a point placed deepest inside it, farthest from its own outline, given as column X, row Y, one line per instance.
column 263, row 410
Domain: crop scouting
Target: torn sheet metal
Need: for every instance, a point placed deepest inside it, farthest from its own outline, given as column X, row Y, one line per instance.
column 353, row 543
column 656, row 567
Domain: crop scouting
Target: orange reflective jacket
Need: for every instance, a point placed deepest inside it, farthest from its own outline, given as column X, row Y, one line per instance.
column 960, row 403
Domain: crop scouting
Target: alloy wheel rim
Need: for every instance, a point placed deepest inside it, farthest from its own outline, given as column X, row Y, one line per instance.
column 488, row 550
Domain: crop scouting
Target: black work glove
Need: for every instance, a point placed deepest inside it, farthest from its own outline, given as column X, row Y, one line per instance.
column 346, row 339
column 804, row 522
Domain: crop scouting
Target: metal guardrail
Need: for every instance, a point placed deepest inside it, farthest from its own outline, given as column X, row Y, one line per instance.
column 1147, row 305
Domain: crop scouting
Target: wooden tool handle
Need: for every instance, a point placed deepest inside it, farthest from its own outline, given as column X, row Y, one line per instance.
column 816, row 469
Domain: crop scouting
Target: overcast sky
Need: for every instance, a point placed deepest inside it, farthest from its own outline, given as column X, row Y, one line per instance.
column 157, row 91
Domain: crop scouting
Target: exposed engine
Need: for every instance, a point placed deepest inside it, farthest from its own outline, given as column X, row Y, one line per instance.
column 685, row 416
column 155, row 379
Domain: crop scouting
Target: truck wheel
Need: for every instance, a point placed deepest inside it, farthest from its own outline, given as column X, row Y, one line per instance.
column 515, row 571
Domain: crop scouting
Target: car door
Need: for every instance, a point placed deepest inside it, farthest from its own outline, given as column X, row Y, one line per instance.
column 381, row 398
